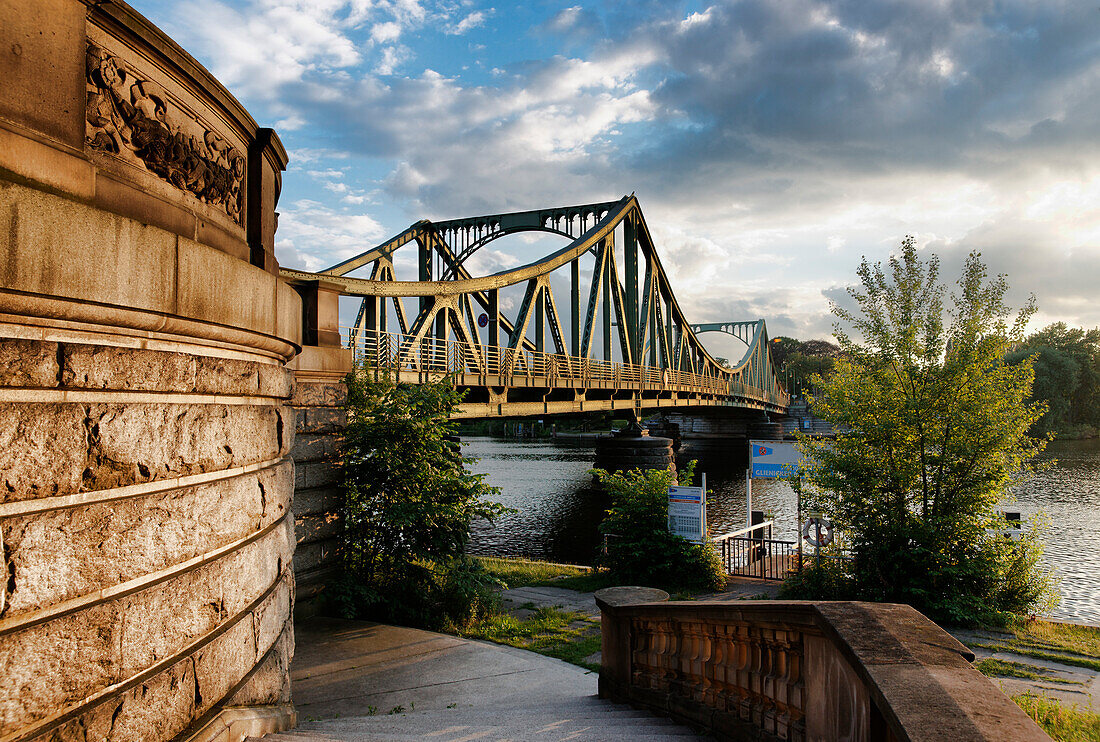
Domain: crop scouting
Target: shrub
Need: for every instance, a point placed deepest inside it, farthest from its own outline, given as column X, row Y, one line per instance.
column 932, row 434
column 640, row 549
column 409, row 501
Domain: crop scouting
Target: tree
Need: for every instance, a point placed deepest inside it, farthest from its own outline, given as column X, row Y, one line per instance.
column 409, row 502
column 936, row 431
column 1067, row 376
column 1057, row 377
column 800, row 360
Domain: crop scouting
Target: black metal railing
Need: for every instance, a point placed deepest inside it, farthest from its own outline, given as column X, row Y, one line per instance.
column 752, row 552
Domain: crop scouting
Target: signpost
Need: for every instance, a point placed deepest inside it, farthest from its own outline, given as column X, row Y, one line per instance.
column 772, row 460
column 687, row 512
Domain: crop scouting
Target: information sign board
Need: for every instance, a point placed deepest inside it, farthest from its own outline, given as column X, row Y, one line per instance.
column 773, row 459
column 687, row 513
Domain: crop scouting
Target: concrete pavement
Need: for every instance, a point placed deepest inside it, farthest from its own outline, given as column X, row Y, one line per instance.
column 356, row 680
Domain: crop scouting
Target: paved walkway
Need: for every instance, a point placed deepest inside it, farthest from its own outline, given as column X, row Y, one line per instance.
column 355, row 680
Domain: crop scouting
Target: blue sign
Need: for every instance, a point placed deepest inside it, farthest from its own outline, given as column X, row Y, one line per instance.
column 773, row 459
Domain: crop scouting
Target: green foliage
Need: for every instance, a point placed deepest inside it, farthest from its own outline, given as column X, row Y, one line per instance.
column 524, row 572
column 801, row 360
column 640, row 549
column 408, row 506
column 1067, row 377
column 824, row 579
column 995, row 668
column 936, row 431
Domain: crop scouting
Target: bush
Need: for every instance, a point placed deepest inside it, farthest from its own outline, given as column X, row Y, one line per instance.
column 640, row 549
column 408, row 506
column 824, row 579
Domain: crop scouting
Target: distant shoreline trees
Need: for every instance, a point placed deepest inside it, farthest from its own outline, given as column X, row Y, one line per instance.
column 1067, row 378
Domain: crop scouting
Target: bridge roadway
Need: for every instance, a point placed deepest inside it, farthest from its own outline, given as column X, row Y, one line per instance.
column 648, row 358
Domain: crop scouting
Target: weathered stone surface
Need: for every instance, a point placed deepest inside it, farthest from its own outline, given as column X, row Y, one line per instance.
column 316, row 501
column 270, row 684
column 312, row 556
column 319, row 394
column 275, row 381
column 272, row 615
column 321, row 419
column 319, row 527
column 50, row 665
column 221, row 664
column 66, row 553
column 5, row 573
column 42, row 447
column 30, row 363
column 315, row 474
column 141, row 443
column 315, row 447
column 159, row 708
column 227, row 376
column 105, row 367
column 58, row 449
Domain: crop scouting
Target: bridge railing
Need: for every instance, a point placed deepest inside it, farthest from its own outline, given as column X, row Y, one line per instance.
column 397, row 352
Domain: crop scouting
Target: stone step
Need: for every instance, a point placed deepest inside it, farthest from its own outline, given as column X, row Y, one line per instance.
column 586, row 718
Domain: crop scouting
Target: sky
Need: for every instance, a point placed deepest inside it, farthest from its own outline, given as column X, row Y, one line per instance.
column 771, row 143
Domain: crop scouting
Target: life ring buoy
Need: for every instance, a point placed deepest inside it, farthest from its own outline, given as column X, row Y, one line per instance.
column 818, row 531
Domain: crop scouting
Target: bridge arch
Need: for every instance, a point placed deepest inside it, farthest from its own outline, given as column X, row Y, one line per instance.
column 649, row 334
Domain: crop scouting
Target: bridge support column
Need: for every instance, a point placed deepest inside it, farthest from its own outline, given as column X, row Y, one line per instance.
column 145, row 483
column 319, row 401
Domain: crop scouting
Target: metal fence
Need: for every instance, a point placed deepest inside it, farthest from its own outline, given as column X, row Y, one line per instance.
column 752, row 552
column 398, row 352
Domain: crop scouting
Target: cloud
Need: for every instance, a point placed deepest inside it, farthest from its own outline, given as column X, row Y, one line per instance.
column 473, row 20
column 772, row 144
column 306, row 225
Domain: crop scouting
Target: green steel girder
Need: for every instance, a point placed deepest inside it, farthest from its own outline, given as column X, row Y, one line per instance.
column 651, row 328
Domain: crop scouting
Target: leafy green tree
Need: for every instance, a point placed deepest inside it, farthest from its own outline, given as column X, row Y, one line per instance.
column 802, row 359
column 1057, row 377
column 640, row 548
column 1067, row 376
column 936, row 429
column 409, row 502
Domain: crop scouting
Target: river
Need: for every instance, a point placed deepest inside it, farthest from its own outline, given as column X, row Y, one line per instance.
column 548, row 483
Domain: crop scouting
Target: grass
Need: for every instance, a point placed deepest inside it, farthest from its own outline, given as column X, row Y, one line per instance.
column 529, row 572
column 1063, row 723
column 1061, row 637
column 1027, row 650
column 995, row 668
column 548, row 631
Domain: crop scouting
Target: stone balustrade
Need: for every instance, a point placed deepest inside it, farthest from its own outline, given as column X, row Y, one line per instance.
column 800, row 671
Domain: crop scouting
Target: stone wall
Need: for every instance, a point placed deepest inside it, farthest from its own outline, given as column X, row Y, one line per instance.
column 319, row 398
column 145, row 478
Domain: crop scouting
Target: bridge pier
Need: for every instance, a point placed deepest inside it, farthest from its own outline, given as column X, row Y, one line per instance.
column 145, row 483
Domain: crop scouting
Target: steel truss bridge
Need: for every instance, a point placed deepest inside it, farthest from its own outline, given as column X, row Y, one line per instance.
column 623, row 342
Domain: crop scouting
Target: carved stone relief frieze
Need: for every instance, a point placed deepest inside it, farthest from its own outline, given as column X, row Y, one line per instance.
column 133, row 117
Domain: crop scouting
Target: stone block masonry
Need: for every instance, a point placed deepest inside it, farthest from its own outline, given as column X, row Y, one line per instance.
column 319, row 401
column 146, row 479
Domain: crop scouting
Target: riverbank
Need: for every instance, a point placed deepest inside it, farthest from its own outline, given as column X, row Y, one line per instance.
column 1050, row 668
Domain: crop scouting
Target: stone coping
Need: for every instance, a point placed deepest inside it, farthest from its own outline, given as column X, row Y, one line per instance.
column 918, row 676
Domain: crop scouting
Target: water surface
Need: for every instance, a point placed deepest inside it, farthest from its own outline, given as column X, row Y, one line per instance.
column 559, row 510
